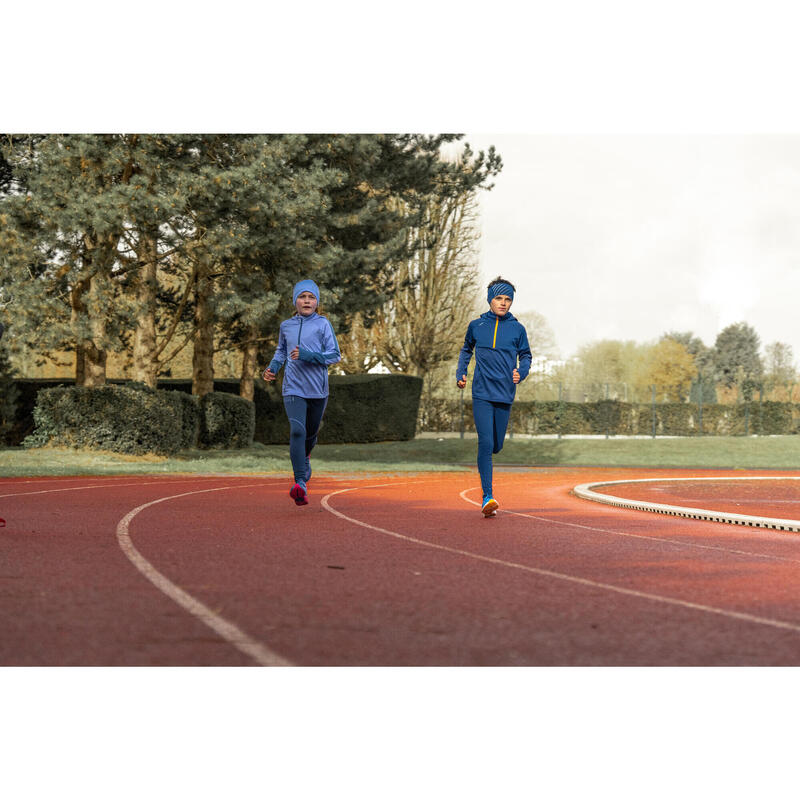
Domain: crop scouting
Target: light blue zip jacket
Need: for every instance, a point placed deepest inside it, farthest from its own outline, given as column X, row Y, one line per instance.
column 308, row 375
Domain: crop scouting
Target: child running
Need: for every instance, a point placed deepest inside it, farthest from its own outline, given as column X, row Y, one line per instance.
column 498, row 340
column 311, row 344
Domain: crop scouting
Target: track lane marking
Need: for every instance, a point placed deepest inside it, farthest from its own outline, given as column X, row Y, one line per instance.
column 737, row 615
column 232, row 634
column 106, row 485
column 676, row 542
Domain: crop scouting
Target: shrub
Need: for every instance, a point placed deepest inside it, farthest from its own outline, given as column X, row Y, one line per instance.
column 226, row 420
column 109, row 417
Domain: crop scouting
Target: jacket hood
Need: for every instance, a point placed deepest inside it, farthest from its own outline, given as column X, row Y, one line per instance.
column 492, row 315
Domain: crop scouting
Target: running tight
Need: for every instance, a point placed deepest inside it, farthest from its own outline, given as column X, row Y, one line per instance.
column 305, row 417
column 491, row 421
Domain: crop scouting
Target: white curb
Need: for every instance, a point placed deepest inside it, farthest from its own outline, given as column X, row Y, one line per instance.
column 586, row 491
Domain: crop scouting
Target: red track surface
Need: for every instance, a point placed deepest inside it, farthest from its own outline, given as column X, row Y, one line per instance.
column 422, row 580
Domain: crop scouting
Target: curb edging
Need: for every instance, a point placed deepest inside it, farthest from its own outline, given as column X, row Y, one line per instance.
column 586, row 492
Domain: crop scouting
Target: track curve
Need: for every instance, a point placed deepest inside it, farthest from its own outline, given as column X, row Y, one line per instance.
column 383, row 570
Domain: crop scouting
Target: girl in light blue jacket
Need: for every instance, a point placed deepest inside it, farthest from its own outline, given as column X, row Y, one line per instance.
column 311, row 345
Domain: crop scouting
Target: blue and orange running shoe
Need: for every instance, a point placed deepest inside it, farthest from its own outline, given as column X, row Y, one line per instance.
column 299, row 494
column 490, row 506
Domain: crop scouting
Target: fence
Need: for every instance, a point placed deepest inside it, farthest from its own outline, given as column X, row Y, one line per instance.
column 559, row 410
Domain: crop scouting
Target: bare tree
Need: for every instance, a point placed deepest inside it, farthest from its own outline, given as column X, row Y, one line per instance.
column 424, row 322
column 781, row 371
column 357, row 346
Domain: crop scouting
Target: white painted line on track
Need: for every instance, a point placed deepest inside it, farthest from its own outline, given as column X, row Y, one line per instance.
column 737, row 615
column 226, row 630
column 108, row 486
column 676, row 542
column 586, row 492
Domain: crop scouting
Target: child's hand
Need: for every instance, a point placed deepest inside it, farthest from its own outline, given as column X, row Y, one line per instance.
column 295, row 354
column 269, row 375
column 462, row 383
column 515, row 376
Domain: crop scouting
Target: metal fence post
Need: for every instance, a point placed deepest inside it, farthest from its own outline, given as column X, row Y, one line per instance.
column 560, row 410
column 654, row 410
column 461, row 408
column 700, row 403
column 606, row 410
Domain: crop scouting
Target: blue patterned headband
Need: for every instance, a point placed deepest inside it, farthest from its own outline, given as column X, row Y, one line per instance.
column 500, row 288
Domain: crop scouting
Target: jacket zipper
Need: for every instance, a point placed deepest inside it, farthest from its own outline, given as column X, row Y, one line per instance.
column 300, row 332
column 494, row 341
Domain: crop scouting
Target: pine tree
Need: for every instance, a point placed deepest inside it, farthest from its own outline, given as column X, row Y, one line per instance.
column 154, row 242
column 61, row 243
column 736, row 357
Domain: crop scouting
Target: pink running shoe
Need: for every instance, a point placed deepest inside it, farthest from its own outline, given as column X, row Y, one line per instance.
column 299, row 494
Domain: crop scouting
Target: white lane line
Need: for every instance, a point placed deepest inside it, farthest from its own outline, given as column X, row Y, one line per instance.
column 737, row 615
column 225, row 629
column 106, row 486
column 676, row 542
column 586, row 492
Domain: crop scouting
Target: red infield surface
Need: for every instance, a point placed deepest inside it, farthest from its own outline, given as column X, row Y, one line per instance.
column 394, row 570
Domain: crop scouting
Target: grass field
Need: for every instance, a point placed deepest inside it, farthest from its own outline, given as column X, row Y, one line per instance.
column 423, row 454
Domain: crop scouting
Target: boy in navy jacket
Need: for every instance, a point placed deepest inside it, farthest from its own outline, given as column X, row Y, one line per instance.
column 499, row 342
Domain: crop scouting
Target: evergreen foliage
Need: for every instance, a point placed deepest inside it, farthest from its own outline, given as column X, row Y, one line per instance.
column 226, row 421
column 115, row 418
column 736, row 357
column 152, row 243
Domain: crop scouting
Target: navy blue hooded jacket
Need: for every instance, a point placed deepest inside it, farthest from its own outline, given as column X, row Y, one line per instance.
column 498, row 342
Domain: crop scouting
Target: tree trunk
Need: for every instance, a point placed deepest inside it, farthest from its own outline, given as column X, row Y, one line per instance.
column 203, row 357
column 77, row 312
column 249, row 365
column 95, row 360
column 145, row 361
column 94, row 354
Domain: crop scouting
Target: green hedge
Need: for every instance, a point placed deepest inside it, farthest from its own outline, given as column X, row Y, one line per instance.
column 361, row 408
column 626, row 419
column 226, row 420
column 371, row 408
column 115, row 418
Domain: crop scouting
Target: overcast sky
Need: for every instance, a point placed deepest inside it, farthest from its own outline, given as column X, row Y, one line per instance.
column 627, row 237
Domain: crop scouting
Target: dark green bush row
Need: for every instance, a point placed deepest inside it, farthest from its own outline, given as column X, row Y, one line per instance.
column 628, row 419
column 136, row 420
column 226, row 421
column 371, row 408
column 361, row 408
column 109, row 417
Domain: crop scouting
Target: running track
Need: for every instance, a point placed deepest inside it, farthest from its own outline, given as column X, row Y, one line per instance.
column 394, row 571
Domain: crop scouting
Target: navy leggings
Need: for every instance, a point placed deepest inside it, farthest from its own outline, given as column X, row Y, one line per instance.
column 491, row 421
column 305, row 416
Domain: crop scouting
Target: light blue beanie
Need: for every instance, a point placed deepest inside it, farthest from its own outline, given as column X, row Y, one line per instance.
column 305, row 286
column 499, row 288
